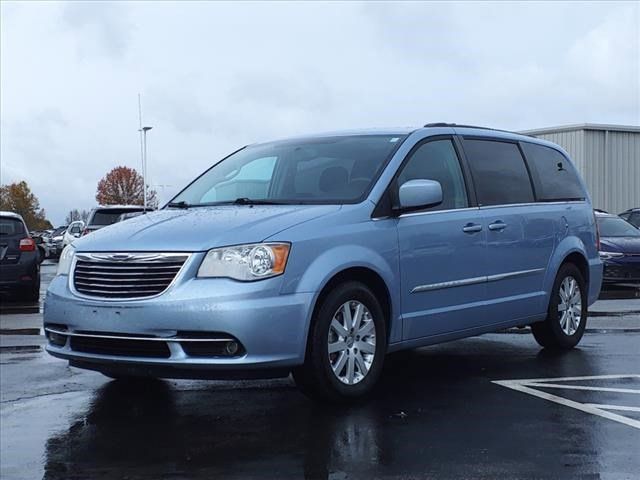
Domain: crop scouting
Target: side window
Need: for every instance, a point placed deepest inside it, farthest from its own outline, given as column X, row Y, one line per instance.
column 499, row 172
column 554, row 176
column 437, row 160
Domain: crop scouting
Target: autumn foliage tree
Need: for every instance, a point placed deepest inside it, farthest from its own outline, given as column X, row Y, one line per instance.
column 124, row 186
column 18, row 198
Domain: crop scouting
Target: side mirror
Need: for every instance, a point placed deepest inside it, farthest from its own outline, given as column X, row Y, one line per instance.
column 420, row 193
column 76, row 234
column 37, row 240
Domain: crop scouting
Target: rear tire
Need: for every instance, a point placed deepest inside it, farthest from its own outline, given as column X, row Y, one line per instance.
column 567, row 312
column 33, row 292
column 346, row 346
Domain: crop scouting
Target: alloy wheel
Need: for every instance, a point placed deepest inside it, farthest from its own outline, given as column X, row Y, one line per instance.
column 351, row 342
column 570, row 306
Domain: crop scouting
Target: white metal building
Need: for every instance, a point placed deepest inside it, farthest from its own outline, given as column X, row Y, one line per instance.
column 608, row 157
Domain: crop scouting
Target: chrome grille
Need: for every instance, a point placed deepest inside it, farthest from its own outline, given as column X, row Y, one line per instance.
column 125, row 275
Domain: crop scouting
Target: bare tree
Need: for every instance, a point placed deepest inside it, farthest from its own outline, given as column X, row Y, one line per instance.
column 75, row 215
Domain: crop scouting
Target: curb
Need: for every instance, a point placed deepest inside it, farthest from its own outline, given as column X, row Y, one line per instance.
column 20, row 348
column 20, row 331
column 613, row 314
column 527, row 330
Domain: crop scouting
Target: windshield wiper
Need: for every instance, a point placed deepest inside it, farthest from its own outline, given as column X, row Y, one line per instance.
column 181, row 204
column 254, row 201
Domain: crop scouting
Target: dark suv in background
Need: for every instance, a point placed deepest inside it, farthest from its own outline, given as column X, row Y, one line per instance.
column 19, row 258
column 103, row 216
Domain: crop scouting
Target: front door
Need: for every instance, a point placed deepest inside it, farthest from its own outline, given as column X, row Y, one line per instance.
column 442, row 248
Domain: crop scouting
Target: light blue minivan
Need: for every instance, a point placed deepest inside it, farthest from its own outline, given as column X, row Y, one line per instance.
column 319, row 255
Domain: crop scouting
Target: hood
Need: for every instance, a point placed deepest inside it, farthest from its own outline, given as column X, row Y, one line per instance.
column 620, row 244
column 199, row 229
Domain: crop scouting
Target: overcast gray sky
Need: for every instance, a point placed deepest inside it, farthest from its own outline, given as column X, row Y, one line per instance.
column 215, row 76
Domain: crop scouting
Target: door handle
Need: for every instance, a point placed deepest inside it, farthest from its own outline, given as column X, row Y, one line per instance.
column 498, row 225
column 471, row 228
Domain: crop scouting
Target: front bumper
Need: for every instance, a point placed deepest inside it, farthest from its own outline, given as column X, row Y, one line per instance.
column 626, row 270
column 271, row 328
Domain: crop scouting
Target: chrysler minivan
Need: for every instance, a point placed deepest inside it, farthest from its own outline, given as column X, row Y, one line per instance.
column 319, row 255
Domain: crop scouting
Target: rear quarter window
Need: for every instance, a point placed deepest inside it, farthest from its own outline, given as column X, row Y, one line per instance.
column 554, row 176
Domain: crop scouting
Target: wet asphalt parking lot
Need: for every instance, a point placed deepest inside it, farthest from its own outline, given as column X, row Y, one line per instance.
column 438, row 413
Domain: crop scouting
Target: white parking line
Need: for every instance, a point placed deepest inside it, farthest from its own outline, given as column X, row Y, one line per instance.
column 525, row 386
column 583, row 387
column 614, row 407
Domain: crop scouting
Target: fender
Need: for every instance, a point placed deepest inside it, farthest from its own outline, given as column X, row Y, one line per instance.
column 342, row 257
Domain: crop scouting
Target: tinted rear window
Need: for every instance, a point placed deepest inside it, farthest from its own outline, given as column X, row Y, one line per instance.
column 554, row 176
column 499, row 172
column 10, row 226
column 107, row 217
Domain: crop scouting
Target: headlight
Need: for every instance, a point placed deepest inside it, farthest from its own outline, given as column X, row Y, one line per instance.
column 66, row 257
column 610, row 255
column 246, row 262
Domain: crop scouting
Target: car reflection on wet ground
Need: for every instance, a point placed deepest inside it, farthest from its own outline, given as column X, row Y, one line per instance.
column 436, row 414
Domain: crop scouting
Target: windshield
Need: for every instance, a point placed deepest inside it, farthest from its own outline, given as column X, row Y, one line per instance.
column 319, row 170
column 616, row 227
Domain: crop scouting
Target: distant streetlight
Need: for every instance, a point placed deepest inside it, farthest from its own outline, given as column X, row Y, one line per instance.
column 143, row 132
column 143, row 151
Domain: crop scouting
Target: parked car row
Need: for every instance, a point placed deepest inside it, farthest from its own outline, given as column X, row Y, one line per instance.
column 52, row 242
column 21, row 251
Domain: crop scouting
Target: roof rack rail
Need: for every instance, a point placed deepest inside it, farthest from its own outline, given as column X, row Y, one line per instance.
column 444, row 124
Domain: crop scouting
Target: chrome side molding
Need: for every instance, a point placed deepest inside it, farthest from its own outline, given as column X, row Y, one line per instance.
column 475, row 280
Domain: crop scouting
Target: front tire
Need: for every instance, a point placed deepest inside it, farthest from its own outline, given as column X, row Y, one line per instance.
column 567, row 313
column 346, row 346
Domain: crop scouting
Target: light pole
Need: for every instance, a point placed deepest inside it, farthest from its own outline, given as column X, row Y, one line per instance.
column 144, row 131
column 162, row 186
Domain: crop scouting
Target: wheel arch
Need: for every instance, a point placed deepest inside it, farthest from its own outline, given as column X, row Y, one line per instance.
column 366, row 276
column 580, row 261
column 570, row 250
